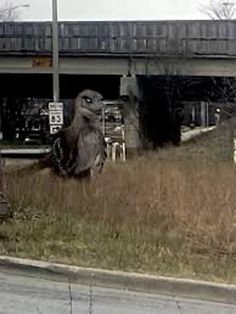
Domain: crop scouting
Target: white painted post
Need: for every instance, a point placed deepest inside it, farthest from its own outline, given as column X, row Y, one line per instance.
column 193, row 113
column 114, row 151
column 234, row 149
column 123, row 152
column 203, row 114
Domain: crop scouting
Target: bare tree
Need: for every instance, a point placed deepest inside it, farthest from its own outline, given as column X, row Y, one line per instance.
column 9, row 11
column 219, row 9
column 224, row 88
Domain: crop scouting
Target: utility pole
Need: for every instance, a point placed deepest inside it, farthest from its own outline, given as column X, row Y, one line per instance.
column 55, row 52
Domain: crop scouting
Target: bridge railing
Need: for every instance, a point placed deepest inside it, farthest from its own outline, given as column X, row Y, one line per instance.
column 188, row 38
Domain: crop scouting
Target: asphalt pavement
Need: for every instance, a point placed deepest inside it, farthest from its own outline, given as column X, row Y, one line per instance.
column 20, row 294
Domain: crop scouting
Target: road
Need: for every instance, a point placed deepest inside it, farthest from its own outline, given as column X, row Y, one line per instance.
column 20, row 295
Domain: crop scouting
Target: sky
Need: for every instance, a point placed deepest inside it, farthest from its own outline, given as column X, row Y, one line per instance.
column 112, row 9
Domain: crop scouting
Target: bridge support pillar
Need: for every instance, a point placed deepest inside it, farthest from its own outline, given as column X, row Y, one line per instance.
column 130, row 93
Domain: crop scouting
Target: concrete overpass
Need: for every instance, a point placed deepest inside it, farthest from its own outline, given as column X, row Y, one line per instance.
column 195, row 48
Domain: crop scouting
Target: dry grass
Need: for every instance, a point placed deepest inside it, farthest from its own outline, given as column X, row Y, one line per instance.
column 149, row 215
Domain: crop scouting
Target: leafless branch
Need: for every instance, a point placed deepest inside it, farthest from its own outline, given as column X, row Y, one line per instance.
column 225, row 90
column 222, row 10
column 219, row 9
column 8, row 11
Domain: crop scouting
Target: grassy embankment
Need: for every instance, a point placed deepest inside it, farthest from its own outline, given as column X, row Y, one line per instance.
column 172, row 213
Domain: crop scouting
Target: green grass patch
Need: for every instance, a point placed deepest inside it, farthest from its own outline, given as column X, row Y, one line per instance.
column 150, row 215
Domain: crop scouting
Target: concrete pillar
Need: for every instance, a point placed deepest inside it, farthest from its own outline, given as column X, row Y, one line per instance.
column 1, row 134
column 193, row 115
column 203, row 114
column 130, row 93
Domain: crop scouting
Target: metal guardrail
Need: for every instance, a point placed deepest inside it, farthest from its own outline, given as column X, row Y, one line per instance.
column 23, row 154
column 115, row 152
column 24, row 151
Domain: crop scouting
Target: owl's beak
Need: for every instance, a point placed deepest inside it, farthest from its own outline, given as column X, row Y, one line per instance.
column 100, row 107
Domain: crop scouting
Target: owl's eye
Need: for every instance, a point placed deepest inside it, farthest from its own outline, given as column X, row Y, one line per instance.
column 88, row 100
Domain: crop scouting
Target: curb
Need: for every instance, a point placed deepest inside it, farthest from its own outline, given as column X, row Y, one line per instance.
column 184, row 288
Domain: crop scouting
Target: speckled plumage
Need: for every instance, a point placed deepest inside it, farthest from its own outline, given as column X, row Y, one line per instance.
column 80, row 150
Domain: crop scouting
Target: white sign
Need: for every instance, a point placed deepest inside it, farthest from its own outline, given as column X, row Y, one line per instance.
column 55, row 128
column 55, row 106
column 56, row 117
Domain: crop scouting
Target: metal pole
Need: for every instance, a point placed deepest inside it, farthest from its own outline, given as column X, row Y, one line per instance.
column 55, row 52
column 103, row 122
column 1, row 175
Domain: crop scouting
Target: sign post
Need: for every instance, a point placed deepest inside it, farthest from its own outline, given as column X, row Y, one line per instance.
column 55, row 52
column 56, row 117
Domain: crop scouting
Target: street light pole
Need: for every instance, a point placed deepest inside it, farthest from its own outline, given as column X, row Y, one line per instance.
column 55, row 52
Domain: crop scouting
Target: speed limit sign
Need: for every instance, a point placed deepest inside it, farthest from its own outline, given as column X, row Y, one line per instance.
column 56, row 117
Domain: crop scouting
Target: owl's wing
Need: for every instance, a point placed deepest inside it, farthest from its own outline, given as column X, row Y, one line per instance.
column 60, row 153
column 91, row 152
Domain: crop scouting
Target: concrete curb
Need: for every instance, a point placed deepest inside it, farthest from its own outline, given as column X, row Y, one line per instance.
column 189, row 135
column 184, row 288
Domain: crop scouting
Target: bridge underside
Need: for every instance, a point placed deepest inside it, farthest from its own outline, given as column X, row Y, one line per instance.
column 40, row 85
column 161, row 89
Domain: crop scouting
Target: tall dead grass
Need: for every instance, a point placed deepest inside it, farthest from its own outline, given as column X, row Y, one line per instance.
column 147, row 215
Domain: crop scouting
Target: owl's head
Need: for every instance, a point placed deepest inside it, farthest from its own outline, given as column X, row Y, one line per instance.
column 90, row 100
